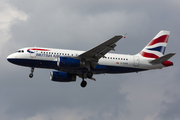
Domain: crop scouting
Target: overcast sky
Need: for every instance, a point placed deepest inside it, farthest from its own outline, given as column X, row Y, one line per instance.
column 81, row 25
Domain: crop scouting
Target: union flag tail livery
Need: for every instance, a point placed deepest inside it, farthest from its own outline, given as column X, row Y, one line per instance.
column 157, row 46
column 68, row 64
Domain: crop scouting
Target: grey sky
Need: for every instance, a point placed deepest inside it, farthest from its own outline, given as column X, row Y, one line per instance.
column 81, row 25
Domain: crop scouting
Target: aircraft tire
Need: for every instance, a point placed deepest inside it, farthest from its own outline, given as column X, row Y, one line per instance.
column 83, row 84
column 89, row 74
column 30, row 75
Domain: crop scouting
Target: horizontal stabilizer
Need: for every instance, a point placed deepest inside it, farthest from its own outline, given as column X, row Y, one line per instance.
column 162, row 59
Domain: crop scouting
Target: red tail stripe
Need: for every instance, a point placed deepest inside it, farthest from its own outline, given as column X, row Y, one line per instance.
column 148, row 55
column 163, row 38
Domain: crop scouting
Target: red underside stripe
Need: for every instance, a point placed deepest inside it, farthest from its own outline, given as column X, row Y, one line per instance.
column 148, row 55
column 163, row 39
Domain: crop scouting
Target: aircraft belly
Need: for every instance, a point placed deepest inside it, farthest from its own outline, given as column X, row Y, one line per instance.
column 113, row 69
column 100, row 69
column 34, row 63
column 53, row 65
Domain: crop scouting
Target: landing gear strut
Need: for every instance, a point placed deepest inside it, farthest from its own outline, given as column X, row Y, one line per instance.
column 83, row 83
column 31, row 74
column 88, row 75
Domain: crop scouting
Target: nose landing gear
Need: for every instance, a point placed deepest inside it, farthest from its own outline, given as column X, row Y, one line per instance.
column 31, row 74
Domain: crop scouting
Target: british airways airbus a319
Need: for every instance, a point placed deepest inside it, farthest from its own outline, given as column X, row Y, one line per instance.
column 68, row 64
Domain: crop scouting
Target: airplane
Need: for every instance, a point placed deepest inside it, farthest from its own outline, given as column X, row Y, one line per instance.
column 72, row 63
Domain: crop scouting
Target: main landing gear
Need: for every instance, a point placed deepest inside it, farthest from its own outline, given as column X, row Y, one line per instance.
column 31, row 74
column 83, row 83
column 88, row 75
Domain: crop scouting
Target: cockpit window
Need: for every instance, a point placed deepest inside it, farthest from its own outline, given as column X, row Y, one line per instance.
column 20, row 51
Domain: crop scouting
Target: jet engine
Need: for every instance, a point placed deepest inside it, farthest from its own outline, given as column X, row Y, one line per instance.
column 69, row 62
column 62, row 76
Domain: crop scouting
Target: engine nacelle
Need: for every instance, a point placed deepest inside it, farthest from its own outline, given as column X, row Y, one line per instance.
column 62, row 76
column 69, row 62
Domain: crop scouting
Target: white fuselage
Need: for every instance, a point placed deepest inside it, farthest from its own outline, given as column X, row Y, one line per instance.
column 110, row 63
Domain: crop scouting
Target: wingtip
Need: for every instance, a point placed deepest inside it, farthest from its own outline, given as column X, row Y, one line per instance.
column 119, row 36
column 124, row 36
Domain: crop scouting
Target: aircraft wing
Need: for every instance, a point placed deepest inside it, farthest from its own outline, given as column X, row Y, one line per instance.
column 94, row 54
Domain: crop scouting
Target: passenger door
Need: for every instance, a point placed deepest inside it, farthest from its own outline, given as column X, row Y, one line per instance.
column 136, row 61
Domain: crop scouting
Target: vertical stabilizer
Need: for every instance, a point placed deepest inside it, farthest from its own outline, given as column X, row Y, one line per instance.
column 157, row 46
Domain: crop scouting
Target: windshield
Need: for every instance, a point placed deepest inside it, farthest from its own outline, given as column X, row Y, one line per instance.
column 20, row 51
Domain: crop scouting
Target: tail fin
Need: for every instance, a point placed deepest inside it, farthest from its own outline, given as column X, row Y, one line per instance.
column 157, row 46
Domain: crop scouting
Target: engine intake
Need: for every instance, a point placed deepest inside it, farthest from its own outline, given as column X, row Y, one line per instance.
column 69, row 62
column 62, row 77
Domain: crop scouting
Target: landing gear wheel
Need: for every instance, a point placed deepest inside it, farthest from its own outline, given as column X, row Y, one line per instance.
column 83, row 84
column 30, row 75
column 89, row 74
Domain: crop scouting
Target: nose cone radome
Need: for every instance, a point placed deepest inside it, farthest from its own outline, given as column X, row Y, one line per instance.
column 10, row 58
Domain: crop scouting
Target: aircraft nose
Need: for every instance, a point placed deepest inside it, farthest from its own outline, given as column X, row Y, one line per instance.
column 10, row 58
